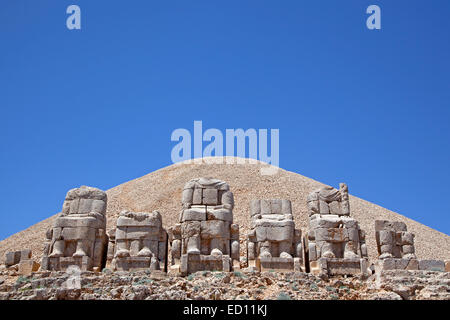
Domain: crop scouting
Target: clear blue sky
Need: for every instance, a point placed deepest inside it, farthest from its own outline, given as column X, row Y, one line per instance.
column 97, row 106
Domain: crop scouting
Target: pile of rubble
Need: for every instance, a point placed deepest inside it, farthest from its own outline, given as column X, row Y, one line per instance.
column 214, row 285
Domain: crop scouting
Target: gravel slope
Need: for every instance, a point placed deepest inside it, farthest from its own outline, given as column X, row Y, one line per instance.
column 161, row 190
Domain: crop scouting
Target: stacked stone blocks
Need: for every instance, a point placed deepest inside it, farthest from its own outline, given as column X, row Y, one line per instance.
column 335, row 245
column 206, row 237
column 140, row 242
column 395, row 246
column 22, row 258
column 78, row 236
column 14, row 257
column 273, row 243
column 396, row 250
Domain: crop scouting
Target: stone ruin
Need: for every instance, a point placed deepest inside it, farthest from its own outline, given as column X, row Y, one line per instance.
column 14, row 257
column 139, row 242
column 335, row 245
column 78, row 236
column 22, row 261
column 396, row 250
column 393, row 240
column 273, row 243
column 205, row 238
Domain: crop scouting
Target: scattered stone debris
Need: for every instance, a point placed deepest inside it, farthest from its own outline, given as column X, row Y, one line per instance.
column 207, row 285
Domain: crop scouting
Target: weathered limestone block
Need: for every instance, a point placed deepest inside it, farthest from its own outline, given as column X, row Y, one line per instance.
column 396, row 264
column 206, row 237
column 174, row 234
column 275, row 263
column 195, row 213
column 396, row 249
column 111, row 246
column 273, row 242
column 27, row 267
column 328, row 200
column 432, row 265
column 78, row 236
column 340, row 266
column 14, row 257
column 140, row 242
column 23, row 258
column 393, row 240
column 334, row 243
column 274, row 231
